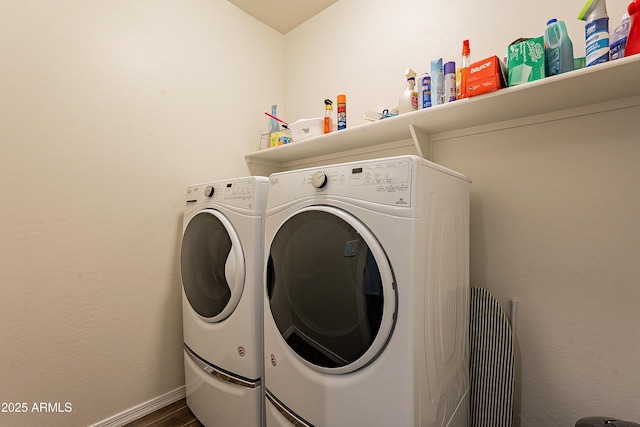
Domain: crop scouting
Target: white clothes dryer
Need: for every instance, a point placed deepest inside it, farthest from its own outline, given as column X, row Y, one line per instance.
column 367, row 295
column 221, row 264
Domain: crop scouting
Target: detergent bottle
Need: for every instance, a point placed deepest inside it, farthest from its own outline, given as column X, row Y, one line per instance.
column 558, row 51
column 633, row 39
column 618, row 41
column 594, row 13
column 409, row 99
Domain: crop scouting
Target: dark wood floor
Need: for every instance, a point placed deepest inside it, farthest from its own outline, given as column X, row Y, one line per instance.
column 175, row 415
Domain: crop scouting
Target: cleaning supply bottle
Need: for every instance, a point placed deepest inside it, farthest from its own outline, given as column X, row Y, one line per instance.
column 409, row 99
column 618, row 41
column 425, row 91
column 437, row 82
column 558, row 51
column 633, row 39
column 463, row 71
column 274, row 126
column 596, row 30
column 342, row 111
column 328, row 112
column 450, row 82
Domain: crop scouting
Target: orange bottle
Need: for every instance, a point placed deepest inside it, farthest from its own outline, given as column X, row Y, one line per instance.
column 342, row 112
column 328, row 112
column 464, row 69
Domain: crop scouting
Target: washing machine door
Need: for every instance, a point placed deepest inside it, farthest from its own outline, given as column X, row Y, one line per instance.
column 331, row 289
column 212, row 265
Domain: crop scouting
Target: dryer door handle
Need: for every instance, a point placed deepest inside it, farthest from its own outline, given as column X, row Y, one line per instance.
column 230, row 268
column 271, row 277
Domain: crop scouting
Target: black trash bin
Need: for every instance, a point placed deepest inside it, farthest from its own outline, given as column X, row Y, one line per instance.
column 604, row 422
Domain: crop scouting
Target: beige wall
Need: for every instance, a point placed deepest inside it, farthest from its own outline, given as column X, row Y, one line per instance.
column 108, row 110
column 555, row 225
column 555, row 217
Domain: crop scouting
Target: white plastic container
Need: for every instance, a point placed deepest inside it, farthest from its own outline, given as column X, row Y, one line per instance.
column 306, row 128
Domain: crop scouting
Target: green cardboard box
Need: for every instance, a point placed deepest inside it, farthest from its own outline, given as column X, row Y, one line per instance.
column 525, row 60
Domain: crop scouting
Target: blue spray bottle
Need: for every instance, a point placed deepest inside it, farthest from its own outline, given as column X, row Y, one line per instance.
column 274, row 126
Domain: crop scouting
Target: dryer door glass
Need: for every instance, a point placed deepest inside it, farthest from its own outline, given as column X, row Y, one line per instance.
column 330, row 289
column 211, row 265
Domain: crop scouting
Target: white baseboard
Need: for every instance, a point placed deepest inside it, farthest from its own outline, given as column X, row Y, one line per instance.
column 143, row 409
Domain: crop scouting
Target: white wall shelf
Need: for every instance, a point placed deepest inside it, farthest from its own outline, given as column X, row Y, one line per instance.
column 599, row 84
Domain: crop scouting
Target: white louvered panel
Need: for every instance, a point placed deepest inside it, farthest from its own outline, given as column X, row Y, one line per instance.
column 491, row 362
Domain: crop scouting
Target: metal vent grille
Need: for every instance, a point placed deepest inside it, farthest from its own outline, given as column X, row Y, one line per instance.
column 491, row 362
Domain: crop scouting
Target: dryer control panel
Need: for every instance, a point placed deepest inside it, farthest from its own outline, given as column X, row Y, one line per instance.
column 385, row 181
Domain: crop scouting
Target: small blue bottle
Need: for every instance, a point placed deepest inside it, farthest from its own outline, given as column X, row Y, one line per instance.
column 274, row 126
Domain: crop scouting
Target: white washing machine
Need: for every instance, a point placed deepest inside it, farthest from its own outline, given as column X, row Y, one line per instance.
column 367, row 295
column 221, row 265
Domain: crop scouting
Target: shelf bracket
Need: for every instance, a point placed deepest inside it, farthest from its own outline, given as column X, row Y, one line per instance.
column 422, row 141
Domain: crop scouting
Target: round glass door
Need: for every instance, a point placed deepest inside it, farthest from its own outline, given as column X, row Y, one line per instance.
column 211, row 265
column 331, row 289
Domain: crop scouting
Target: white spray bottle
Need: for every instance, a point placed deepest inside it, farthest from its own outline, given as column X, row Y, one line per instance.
column 409, row 99
column 594, row 13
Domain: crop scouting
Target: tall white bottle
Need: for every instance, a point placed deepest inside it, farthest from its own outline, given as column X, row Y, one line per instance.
column 409, row 99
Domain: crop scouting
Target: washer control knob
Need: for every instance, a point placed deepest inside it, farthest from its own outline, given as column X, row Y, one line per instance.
column 209, row 191
column 319, row 179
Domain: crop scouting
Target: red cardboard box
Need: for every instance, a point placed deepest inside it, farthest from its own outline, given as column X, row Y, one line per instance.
column 485, row 76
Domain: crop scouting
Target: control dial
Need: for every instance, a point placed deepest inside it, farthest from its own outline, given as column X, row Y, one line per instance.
column 319, row 179
column 209, row 191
